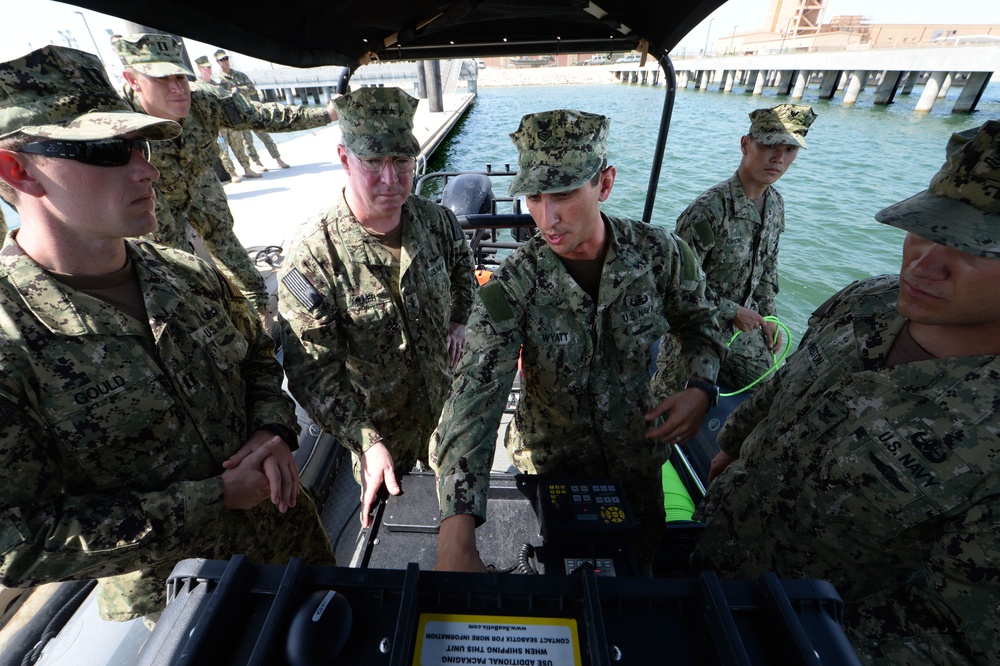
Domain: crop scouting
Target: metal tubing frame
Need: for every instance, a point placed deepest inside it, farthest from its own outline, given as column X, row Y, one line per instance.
column 670, row 83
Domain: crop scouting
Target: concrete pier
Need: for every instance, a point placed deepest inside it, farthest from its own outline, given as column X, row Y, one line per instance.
column 894, row 72
column 268, row 210
column 785, row 81
column 287, row 84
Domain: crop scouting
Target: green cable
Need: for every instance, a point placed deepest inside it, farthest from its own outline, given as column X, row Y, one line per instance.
column 777, row 360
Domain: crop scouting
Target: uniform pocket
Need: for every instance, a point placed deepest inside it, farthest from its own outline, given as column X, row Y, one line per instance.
column 556, row 356
column 370, row 316
column 897, row 480
column 222, row 342
column 108, row 423
column 634, row 334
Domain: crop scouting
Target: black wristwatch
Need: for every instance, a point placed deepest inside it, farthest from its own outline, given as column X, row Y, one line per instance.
column 711, row 389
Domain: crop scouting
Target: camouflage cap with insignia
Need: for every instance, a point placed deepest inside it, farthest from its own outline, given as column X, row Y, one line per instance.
column 378, row 122
column 202, row 61
column 57, row 92
column 153, row 54
column 559, row 150
column 961, row 208
column 784, row 124
column 220, row 54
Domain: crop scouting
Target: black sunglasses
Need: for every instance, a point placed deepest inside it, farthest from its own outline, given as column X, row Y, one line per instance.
column 107, row 152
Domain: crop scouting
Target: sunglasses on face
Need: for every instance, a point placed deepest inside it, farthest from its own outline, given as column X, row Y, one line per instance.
column 107, row 152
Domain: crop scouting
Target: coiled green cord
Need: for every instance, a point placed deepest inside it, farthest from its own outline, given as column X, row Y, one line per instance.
column 777, row 359
column 677, row 502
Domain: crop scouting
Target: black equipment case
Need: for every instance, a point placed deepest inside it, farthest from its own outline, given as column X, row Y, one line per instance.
column 235, row 612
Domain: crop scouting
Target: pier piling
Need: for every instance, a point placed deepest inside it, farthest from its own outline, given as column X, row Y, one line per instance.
column 930, row 94
column 855, row 86
column 886, row 91
column 972, row 91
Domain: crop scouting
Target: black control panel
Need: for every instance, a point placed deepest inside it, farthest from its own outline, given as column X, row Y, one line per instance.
column 586, row 525
column 575, row 511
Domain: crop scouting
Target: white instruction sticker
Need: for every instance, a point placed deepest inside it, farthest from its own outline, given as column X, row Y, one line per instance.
column 496, row 641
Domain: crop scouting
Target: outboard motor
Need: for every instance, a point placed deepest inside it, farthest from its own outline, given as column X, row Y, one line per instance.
column 468, row 194
column 471, row 194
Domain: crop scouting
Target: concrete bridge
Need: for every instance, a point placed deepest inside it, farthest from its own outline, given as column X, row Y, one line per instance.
column 849, row 73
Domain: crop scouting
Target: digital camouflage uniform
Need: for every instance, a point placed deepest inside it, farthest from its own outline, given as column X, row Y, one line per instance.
column 114, row 431
column 3, row 224
column 585, row 385
column 739, row 255
column 240, row 82
column 886, row 471
column 365, row 344
column 738, row 250
column 188, row 184
column 884, row 481
column 224, row 139
column 233, row 140
column 223, row 145
column 191, row 189
column 369, row 360
column 227, row 163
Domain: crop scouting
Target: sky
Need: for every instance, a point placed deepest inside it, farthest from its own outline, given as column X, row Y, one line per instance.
column 31, row 24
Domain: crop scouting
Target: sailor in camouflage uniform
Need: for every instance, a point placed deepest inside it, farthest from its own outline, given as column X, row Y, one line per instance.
column 871, row 458
column 142, row 419
column 205, row 79
column 237, row 81
column 583, row 302
column 733, row 228
column 376, row 292
column 188, row 184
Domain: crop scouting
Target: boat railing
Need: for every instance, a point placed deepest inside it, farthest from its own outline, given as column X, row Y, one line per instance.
column 421, row 165
column 494, row 224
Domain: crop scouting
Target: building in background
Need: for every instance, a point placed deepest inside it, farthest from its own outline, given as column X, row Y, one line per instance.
column 797, row 26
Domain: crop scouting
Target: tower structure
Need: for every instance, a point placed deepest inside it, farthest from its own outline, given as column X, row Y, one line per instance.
column 793, row 18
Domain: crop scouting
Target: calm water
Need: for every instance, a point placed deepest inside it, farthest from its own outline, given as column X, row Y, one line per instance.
column 859, row 160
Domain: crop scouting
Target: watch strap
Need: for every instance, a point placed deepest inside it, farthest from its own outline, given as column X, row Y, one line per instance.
column 708, row 387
